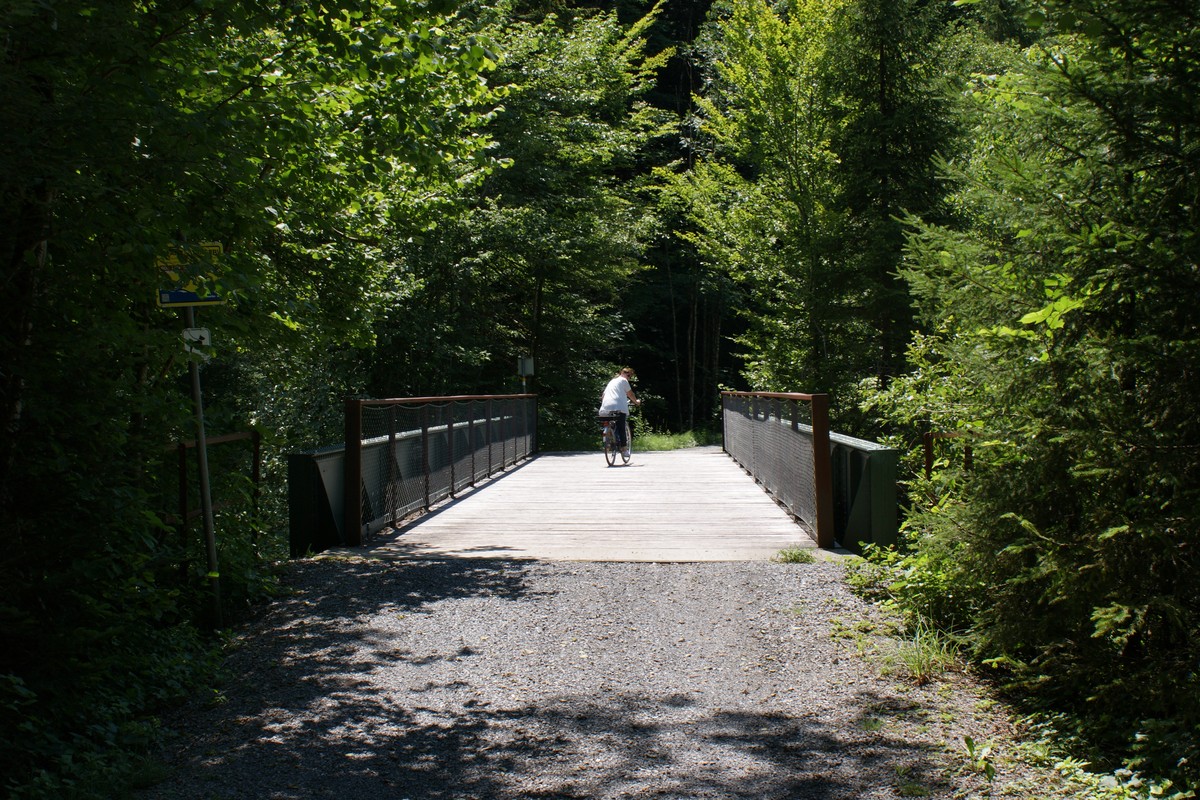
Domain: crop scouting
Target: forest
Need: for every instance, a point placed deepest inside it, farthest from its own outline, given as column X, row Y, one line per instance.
column 973, row 218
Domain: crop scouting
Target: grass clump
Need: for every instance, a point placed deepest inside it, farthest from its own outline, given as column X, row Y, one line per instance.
column 794, row 555
column 648, row 440
column 927, row 653
column 584, row 436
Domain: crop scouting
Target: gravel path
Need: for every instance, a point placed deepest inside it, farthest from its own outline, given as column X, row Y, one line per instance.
column 491, row 679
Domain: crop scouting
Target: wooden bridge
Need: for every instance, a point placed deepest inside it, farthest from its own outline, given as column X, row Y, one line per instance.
column 462, row 476
column 695, row 504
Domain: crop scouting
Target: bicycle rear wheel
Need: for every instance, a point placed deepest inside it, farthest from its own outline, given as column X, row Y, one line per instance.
column 610, row 446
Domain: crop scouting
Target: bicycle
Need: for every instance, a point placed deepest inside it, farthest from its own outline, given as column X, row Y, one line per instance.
column 608, row 436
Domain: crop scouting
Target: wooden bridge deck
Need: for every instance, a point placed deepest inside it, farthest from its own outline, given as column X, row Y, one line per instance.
column 683, row 505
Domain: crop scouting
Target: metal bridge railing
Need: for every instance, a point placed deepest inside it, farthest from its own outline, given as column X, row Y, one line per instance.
column 782, row 440
column 405, row 454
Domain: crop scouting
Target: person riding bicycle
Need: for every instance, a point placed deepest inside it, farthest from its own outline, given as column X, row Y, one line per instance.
column 615, row 401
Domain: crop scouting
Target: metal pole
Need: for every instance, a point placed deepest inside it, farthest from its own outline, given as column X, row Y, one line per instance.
column 352, row 492
column 425, row 449
column 210, row 536
column 450, row 443
column 256, row 478
column 391, row 495
column 185, row 563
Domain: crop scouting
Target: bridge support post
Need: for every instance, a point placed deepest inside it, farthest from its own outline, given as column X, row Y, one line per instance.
column 352, row 492
column 425, row 452
column 471, row 439
column 391, row 501
column 822, row 470
column 450, row 444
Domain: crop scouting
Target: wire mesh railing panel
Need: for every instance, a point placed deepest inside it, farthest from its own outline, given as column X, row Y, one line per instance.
column 481, row 448
column 768, row 436
column 756, row 442
column 407, row 454
column 498, row 454
column 462, row 450
column 785, row 460
column 514, row 428
column 393, row 464
column 529, row 431
column 739, row 432
column 441, row 456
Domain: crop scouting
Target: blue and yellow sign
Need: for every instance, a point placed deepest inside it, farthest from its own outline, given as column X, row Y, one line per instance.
column 189, row 267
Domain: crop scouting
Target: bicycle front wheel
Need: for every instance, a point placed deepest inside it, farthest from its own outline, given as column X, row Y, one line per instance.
column 628, row 451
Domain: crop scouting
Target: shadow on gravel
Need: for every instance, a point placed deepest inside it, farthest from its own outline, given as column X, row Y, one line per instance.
column 302, row 721
column 334, row 589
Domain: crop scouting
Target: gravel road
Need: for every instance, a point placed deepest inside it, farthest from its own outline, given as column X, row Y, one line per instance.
column 473, row 678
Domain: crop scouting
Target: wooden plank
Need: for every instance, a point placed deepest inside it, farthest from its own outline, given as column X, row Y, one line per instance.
column 682, row 505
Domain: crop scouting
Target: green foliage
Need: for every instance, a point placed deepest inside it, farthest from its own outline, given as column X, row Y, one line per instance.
column 1048, row 743
column 980, row 758
column 1064, row 353
column 650, row 440
column 758, row 205
column 294, row 135
column 538, row 257
column 817, row 130
column 892, row 67
column 682, row 311
column 388, row 227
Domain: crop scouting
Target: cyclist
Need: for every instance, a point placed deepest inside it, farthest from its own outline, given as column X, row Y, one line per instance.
column 617, row 396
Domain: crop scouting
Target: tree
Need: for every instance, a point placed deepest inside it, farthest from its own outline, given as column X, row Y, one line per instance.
column 1068, row 346
column 892, row 84
column 757, row 199
column 824, row 120
column 538, row 259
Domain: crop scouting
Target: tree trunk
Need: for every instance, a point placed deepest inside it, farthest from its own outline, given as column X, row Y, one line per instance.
column 25, row 250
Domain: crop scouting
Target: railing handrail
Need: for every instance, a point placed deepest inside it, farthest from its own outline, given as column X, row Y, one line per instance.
column 442, row 399
column 776, row 395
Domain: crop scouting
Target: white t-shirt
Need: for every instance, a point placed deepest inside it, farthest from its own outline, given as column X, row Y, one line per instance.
column 616, row 396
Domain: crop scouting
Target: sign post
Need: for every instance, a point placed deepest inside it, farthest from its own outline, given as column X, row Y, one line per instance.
column 524, row 369
column 181, row 270
column 210, row 535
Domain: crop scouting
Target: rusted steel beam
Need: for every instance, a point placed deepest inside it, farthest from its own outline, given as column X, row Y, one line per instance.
column 822, row 469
